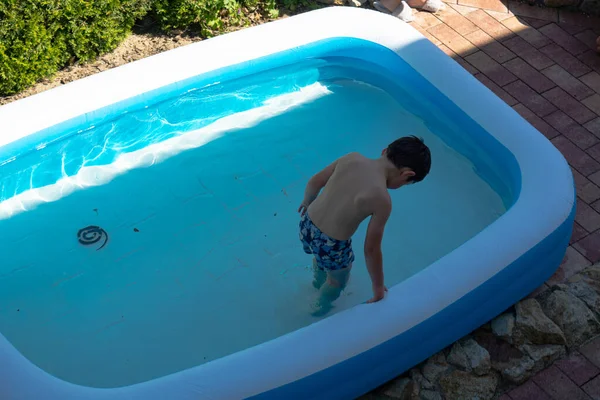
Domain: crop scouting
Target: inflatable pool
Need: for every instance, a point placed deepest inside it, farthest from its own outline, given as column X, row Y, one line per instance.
column 148, row 219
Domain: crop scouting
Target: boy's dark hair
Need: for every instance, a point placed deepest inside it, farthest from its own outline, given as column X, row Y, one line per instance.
column 410, row 152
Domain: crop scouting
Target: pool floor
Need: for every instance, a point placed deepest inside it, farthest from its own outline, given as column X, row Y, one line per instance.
column 203, row 257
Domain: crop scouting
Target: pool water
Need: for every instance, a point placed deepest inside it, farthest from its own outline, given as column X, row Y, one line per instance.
column 198, row 199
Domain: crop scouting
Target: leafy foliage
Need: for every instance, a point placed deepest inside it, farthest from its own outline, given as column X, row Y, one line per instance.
column 38, row 37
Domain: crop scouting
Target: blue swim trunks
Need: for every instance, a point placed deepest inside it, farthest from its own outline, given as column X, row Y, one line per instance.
column 331, row 254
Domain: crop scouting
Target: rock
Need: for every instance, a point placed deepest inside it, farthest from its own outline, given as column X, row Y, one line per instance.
column 356, row 3
column 458, row 357
column 434, row 367
column 518, row 370
column 463, row 385
column 571, row 314
column 503, row 326
column 592, row 274
column 590, row 7
column 534, row 327
column 544, row 355
column 585, row 293
column 512, row 363
column 478, row 357
column 402, row 388
column 430, row 395
column 560, row 3
column 500, row 351
column 419, row 379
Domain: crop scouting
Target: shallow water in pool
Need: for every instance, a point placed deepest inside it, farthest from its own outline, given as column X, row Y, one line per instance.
column 202, row 257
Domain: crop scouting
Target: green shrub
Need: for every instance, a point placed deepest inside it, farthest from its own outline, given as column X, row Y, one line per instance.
column 209, row 17
column 93, row 27
column 37, row 37
column 27, row 49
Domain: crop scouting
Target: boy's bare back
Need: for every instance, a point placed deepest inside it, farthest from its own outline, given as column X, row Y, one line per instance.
column 349, row 190
column 354, row 191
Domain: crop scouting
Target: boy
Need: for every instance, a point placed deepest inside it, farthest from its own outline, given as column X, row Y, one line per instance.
column 354, row 188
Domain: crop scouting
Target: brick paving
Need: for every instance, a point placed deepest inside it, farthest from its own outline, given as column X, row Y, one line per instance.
column 542, row 62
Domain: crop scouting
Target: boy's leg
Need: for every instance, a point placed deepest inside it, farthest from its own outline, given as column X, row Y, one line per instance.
column 339, row 277
column 336, row 282
column 319, row 275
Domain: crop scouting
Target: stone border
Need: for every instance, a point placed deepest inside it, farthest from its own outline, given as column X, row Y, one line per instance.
column 510, row 349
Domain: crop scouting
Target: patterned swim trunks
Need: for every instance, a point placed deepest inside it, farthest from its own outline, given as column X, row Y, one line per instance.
column 331, row 254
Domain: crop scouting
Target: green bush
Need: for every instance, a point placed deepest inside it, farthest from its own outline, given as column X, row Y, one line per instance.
column 38, row 37
column 209, row 17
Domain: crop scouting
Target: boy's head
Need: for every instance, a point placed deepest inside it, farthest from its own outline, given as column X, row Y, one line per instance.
column 412, row 160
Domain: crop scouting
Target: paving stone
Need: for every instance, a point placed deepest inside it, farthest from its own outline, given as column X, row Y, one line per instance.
column 536, row 121
column 528, row 53
column 578, row 368
column 591, row 59
column 564, row 124
column 592, row 388
column 507, row 98
column 463, row 10
column 563, row 39
column 494, row 5
column 596, row 205
column 490, row 46
column 578, row 233
column 591, row 351
column 534, row 22
column 589, row 246
column 594, row 151
column 452, row 39
column 586, row 189
column 558, row 385
column 528, row 391
column 456, row 21
column 568, row 82
column 526, row 10
column 499, row 16
column 426, row 20
column 529, row 75
column 585, row 164
column 577, row 18
column 595, row 178
column 573, row 263
column 490, row 25
column 571, row 29
column 588, row 38
column 592, row 80
column 536, row 103
column 526, row 32
column 593, row 126
column 569, row 105
column 471, row 69
column 586, row 216
column 428, row 35
column 593, row 103
column 496, row 72
column 563, row 58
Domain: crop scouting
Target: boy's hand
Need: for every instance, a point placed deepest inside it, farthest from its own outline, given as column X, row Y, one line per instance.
column 303, row 207
column 378, row 294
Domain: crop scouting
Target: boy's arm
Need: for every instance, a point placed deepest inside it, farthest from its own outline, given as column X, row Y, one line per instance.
column 315, row 184
column 373, row 255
